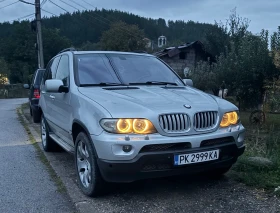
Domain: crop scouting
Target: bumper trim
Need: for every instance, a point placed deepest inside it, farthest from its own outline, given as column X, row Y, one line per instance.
column 161, row 164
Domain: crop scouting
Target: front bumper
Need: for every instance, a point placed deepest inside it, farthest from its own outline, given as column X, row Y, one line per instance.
column 110, row 146
column 161, row 164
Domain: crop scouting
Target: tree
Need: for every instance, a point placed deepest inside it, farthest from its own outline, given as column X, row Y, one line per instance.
column 275, row 47
column 89, row 46
column 53, row 43
column 123, row 37
column 244, row 65
column 4, row 71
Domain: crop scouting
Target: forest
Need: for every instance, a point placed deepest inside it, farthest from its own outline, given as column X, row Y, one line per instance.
column 245, row 61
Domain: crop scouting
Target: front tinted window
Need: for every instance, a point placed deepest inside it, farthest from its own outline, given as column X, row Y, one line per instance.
column 140, row 69
column 95, row 69
column 63, row 70
column 52, row 68
column 48, row 68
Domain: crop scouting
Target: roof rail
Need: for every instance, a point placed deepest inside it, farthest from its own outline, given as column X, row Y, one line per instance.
column 67, row 49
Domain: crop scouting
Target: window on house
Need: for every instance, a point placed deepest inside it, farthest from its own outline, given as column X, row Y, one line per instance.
column 182, row 55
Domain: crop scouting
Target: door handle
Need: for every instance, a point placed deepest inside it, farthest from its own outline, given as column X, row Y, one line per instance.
column 52, row 97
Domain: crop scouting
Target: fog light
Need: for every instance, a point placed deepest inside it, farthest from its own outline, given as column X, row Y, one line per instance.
column 127, row 148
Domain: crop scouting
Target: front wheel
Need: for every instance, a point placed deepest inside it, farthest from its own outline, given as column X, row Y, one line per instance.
column 218, row 173
column 89, row 177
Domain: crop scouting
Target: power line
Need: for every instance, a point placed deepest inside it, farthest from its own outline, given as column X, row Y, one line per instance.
column 70, row 5
column 123, row 29
column 126, row 31
column 48, row 12
column 79, row 11
column 26, row 2
column 9, row 5
column 23, row 17
column 43, row 2
column 79, row 4
column 58, row 6
column 88, row 3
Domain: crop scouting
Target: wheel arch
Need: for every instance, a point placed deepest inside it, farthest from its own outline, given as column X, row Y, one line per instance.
column 77, row 127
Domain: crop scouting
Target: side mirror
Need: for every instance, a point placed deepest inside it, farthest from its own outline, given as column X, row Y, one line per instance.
column 188, row 82
column 26, row 86
column 55, row 85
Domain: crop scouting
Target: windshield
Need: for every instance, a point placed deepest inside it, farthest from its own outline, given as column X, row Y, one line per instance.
column 95, row 69
column 123, row 69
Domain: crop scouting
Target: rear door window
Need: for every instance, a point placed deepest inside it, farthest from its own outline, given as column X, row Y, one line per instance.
column 39, row 77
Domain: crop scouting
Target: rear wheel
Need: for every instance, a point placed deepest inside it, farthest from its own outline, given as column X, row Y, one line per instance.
column 89, row 177
column 47, row 143
column 30, row 111
column 36, row 116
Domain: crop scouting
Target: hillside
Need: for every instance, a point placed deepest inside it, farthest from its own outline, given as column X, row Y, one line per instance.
column 17, row 39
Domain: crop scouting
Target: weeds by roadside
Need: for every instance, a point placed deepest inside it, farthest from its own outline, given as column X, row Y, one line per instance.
column 60, row 187
column 264, row 143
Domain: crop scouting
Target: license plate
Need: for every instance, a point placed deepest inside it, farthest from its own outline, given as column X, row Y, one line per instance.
column 197, row 157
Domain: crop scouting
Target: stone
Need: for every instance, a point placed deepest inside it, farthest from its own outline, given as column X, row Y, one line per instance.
column 260, row 162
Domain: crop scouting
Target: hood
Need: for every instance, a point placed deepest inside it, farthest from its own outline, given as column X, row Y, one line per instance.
column 138, row 101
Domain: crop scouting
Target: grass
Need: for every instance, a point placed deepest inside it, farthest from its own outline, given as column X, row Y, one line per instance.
column 261, row 141
column 59, row 184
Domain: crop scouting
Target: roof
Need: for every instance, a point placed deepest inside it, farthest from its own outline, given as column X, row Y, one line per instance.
column 172, row 51
column 109, row 52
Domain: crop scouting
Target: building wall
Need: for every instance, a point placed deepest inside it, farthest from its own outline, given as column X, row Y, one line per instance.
column 180, row 64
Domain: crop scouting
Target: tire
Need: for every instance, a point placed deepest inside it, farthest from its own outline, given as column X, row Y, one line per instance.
column 88, row 174
column 36, row 116
column 48, row 144
column 218, row 173
column 257, row 117
column 30, row 111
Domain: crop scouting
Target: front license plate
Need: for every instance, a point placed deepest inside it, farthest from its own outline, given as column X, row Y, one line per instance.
column 197, row 157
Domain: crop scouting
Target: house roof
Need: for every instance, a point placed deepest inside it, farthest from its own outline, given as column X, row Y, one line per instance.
column 172, row 51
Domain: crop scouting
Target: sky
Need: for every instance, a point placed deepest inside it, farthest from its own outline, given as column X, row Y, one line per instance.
column 263, row 14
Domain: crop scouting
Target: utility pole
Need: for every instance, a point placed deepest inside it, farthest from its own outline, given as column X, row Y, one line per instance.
column 39, row 34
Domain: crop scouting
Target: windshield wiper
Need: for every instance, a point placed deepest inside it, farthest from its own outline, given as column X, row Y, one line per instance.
column 103, row 84
column 155, row 83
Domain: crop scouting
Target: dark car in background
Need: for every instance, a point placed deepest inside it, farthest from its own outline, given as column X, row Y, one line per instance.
column 34, row 94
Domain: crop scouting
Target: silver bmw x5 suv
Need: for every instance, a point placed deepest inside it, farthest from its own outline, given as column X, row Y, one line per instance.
column 129, row 116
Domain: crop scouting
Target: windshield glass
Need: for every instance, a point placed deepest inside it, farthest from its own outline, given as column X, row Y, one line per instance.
column 142, row 69
column 130, row 69
column 95, row 69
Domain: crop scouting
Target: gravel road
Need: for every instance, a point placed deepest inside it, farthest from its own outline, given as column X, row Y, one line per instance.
column 176, row 194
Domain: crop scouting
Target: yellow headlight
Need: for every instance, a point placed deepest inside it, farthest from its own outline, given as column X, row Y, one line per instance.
column 229, row 118
column 124, row 125
column 127, row 126
column 141, row 126
column 233, row 117
column 225, row 121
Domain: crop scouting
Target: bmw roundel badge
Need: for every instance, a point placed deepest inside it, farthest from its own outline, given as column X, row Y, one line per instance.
column 187, row 106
